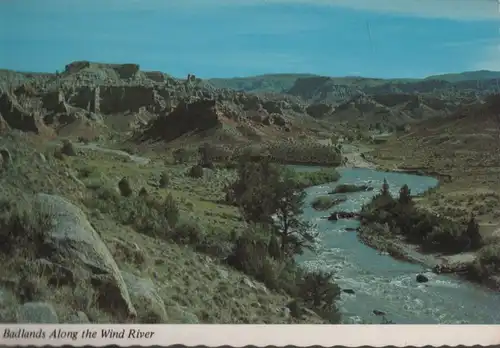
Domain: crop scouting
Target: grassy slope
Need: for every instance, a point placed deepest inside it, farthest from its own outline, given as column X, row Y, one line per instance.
column 192, row 284
column 464, row 150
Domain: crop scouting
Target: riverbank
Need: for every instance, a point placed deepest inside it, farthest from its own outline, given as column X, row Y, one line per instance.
column 375, row 280
column 469, row 173
column 464, row 265
column 467, row 265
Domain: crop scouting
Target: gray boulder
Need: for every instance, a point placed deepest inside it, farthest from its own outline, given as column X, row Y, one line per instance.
column 37, row 312
column 78, row 318
column 75, row 244
column 145, row 296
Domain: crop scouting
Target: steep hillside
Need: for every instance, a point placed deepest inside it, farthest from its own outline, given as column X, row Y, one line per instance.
column 329, row 90
column 463, row 148
column 371, row 101
column 111, row 213
column 389, row 111
column 462, row 151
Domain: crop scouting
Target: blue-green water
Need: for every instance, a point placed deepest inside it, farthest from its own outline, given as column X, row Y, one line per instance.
column 383, row 283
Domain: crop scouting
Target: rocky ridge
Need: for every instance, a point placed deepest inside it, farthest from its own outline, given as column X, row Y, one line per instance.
column 90, row 92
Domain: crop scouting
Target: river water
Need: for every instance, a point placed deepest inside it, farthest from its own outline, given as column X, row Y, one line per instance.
column 381, row 282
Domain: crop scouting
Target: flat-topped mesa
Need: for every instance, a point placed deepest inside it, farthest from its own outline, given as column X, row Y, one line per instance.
column 124, row 71
column 156, row 76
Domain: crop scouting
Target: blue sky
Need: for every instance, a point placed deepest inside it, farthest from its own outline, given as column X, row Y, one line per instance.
column 227, row 38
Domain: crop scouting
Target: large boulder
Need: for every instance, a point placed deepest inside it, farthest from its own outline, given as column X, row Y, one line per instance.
column 37, row 312
column 74, row 244
column 151, row 309
column 421, row 278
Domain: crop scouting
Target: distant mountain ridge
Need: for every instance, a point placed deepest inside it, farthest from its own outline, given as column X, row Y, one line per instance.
column 291, row 83
column 373, row 101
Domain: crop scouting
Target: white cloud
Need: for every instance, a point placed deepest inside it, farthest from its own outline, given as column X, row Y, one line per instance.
column 450, row 9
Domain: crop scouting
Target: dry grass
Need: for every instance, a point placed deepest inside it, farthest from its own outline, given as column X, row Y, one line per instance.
column 465, row 149
column 193, row 286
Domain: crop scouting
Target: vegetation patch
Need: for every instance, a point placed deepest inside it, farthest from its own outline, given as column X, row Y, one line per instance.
column 323, row 202
column 350, row 188
column 318, row 177
column 434, row 233
column 271, row 203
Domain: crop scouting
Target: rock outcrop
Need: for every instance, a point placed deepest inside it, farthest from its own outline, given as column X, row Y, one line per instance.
column 319, row 110
column 191, row 118
column 37, row 313
column 151, row 309
column 13, row 115
column 76, row 246
column 124, row 71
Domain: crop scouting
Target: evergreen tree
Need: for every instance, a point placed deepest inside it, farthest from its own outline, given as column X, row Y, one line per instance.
column 405, row 195
column 385, row 188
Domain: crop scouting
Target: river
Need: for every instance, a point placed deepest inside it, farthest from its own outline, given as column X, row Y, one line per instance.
column 381, row 282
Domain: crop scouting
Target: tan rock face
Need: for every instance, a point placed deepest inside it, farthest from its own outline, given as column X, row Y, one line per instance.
column 186, row 117
column 122, row 99
column 15, row 116
column 156, row 76
column 319, row 110
column 124, row 71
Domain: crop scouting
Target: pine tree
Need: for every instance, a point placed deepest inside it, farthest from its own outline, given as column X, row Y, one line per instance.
column 405, row 194
column 385, row 188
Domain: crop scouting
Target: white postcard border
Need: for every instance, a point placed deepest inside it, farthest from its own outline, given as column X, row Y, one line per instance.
column 258, row 335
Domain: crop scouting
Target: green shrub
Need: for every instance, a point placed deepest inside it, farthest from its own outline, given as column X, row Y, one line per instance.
column 164, row 180
column 432, row 232
column 303, row 152
column 125, row 188
column 319, row 177
column 143, row 192
column 22, row 228
column 188, row 232
column 171, row 210
column 487, row 262
column 316, row 291
column 349, row 188
column 181, row 156
column 67, row 148
column 196, row 171
column 322, row 203
column 319, row 293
